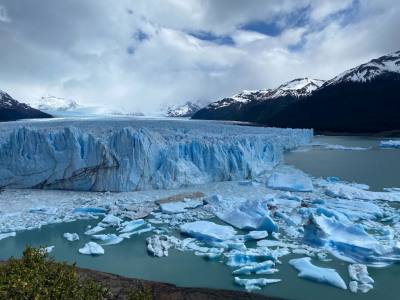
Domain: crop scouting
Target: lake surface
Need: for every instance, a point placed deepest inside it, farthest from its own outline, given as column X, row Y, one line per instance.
column 377, row 167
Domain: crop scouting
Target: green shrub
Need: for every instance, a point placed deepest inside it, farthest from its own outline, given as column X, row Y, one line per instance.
column 37, row 276
column 142, row 293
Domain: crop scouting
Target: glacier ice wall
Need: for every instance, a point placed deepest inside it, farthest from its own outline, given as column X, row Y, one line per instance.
column 121, row 155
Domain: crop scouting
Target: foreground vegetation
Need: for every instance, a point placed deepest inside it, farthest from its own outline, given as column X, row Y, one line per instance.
column 37, row 276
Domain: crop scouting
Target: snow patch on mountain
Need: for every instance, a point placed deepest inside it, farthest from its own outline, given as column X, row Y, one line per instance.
column 299, row 87
column 376, row 67
column 186, row 110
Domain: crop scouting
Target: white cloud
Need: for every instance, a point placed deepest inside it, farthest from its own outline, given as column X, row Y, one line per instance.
column 78, row 49
column 3, row 14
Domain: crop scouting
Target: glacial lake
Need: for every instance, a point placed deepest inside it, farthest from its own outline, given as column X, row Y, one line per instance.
column 377, row 167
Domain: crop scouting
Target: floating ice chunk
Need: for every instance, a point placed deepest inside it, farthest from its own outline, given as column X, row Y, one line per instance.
column 132, row 225
column 158, row 245
column 347, row 191
column 324, row 275
column 71, row 236
column 390, row 144
column 256, row 235
column 108, row 239
column 361, row 280
column 208, row 255
column 247, row 214
column 254, row 268
column 205, row 230
column 349, row 242
column 180, row 206
column 127, row 235
column 111, row 220
column 290, row 180
column 94, row 230
column 91, row 248
column 241, row 258
column 90, row 210
column 337, row 147
column 48, row 249
column 6, row 235
column 254, row 284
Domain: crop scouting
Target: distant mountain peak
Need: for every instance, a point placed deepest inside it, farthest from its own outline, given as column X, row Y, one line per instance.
column 386, row 64
column 185, row 110
column 298, row 87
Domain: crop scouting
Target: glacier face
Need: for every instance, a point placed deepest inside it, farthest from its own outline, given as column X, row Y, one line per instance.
column 124, row 154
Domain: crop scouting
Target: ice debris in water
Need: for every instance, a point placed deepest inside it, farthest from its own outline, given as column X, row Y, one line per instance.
column 390, row 144
column 111, row 220
column 91, row 248
column 94, row 230
column 361, row 281
column 108, row 239
column 348, row 241
column 130, row 226
column 180, row 206
column 254, row 284
column 290, row 180
column 243, row 214
column 158, row 245
column 48, row 249
column 257, row 268
column 90, row 210
column 347, row 191
column 71, row 236
column 208, row 231
column 6, row 235
column 324, row 275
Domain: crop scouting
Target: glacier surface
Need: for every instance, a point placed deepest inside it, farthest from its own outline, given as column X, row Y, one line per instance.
column 128, row 155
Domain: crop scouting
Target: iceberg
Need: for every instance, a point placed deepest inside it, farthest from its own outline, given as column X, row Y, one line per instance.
column 350, row 192
column 48, row 249
column 131, row 225
column 258, row 268
column 180, row 206
column 208, row 231
column 158, row 245
column 348, row 241
column 111, row 221
column 390, row 144
column 125, row 154
column 7, row 234
column 71, row 236
column 91, row 248
column 323, row 275
column 94, row 230
column 90, row 210
column 108, row 239
column 289, row 179
column 243, row 214
column 362, row 282
column 255, row 284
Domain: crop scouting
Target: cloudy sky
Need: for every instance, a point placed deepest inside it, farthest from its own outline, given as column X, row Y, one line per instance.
column 141, row 54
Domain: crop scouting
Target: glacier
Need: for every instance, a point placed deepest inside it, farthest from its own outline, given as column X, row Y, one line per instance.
column 125, row 154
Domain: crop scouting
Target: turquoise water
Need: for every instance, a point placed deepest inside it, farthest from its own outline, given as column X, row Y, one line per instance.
column 376, row 167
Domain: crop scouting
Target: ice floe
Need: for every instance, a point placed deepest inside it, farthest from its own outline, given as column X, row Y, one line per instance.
column 71, row 236
column 390, row 144
column 256, row 283
column 361, row 281
column 7, row 234
column 108, row 239
column 290, row 180
column 208, row 231
column 91, row 248
column 323, row 275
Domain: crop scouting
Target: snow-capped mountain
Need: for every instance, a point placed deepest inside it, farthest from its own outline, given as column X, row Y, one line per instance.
column 384, row 65
column 53, row 103
column 11, row 109
column 299, row 87
column 362, row 99
column 186, row 110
